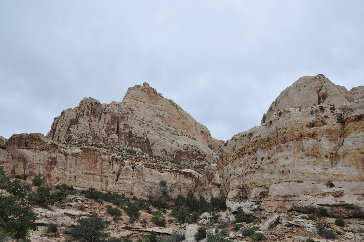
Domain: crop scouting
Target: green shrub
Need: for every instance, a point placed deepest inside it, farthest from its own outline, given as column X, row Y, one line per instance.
column 81, row 207
column 240, row 217
column 201, row 233
column 16, row 188
column 216, row 238
column 2, row 172
column 189, row 209
column 324, row 232
column 38, row 180
column 113, row 211
column 163, row 183
column 16, row 216
column 153, row 237
column 42, row 197
column 52, row 228
column 158, row 219
column 89, row 229
column 62, row 191
column 258, row 236
column 21, row 176
column 247, row 232
column 312, row 217
column 159, row 203
column 310, row 240
column 173, row 238
column 132, row 210
column 340, row 222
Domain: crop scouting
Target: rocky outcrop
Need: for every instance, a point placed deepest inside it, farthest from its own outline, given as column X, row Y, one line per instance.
column 144, row 120
column 308, row 153
column 123, row 170
column 312, row 135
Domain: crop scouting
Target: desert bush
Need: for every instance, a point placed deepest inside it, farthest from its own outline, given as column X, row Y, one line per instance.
column 42, row 197
column 312, row 216
column 52, row 228
column 247, row 231
column 113, row 211
column 340, row 222
column 16, row 188
column 89, row 229
column 21, row 176
column 161, row 202
column 216, row 238
column 201, row 233
column 158, row 219
column 240, row 217
column 173, row 238
column 324, row 232
column 189, row 208
column 16, row 216
column 38, row 180
column 258, row 236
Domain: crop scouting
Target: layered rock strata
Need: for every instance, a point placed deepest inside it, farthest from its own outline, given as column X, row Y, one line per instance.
column 307, row 155
column 144, row 120
column 309, row 150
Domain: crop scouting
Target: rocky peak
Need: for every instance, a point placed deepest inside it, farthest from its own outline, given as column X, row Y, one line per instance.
column 310, row 91
column 144, row 120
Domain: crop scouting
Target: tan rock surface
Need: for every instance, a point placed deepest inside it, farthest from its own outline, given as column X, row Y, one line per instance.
column 302, row 144
column 144, row 120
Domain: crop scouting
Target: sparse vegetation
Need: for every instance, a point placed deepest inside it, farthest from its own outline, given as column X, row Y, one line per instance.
column 38, row 180
column 310, row 240
column 241, row 217
column 89, row 229
column 247, row 231
column 21, row 176
column 258, row 236
column 201, row 233
column 113, row 211
column 16, row 216
column 42, row 197
column 158, row 219
column 173, row 238
column 188, row 209
column 216, row 238
column 52, row 228
column 130, row 206
column 340, row 222
column 324, row 232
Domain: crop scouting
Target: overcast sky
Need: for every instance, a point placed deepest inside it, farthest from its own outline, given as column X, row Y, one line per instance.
column 224, row 62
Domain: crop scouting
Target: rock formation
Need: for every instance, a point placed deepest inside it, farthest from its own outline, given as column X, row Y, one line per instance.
column 308, row 152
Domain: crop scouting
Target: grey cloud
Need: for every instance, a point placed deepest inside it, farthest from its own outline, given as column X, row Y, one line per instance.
column 224, row 62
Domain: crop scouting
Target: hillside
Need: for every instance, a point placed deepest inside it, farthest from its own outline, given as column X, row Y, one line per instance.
column 289, row 178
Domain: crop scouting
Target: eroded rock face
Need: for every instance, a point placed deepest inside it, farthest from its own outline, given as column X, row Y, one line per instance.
column 313, row 134
column 103, row 169
column 144, row 120
column 308, row 153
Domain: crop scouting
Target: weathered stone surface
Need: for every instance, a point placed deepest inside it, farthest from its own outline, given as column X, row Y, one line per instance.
column 357, row 92
column 103, row 169
column 311, row 91
column 309, row 150
column 2, row 142
column 144, row 120
column 306, row 140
